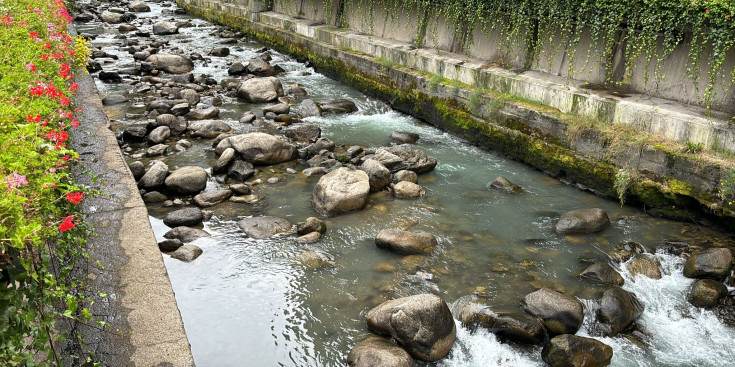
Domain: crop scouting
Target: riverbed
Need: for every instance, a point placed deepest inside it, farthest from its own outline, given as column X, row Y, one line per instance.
column 248, row 301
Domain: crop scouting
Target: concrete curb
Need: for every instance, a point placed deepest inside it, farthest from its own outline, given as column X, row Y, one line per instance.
column 145, row 326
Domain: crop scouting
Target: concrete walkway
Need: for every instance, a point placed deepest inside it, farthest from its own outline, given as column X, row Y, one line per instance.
column 145, row 326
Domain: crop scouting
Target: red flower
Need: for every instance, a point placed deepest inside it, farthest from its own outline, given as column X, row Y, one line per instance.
column 37, row 118
column 75, row 123
column 67, row 224
column 74, row 197
column 64, row 101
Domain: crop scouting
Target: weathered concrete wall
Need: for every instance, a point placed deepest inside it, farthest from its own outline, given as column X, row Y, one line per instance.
column 144, row 324
column 668, row 182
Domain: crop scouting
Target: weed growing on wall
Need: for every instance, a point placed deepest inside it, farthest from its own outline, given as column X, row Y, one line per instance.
column 42, row 233
column 621, row 184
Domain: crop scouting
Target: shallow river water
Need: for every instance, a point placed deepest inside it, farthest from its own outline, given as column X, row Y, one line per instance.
column 249, row 302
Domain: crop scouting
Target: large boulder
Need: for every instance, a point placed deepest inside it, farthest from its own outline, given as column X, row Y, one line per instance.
column 421, row 324
column 405, row 242
column 187, row 253
column 187, row 180
column 341, row 190
column 404, row 137
column 338, row 106
column 304, row 132
column 309, row 107
column 184, row 217
column 260, row 90
column 154, row 176
column 604, row 273
column 258, row 148
column 203, row 113
column 714, row 263
column 112, row 17
column 208, row 128
column 378, row 175
column 519, row 328
column 186, row 234
column 159, row 135
column 264, row 227
column 163, row 27
column 139, row 7
column 501, row 183
column 646, row 265
column 240, row 170
column 618, row 309
column 583, row 221
column 260, row 67
column 376, row 351
column 576, row 351
column 174, row 64
column 408, row 190
column 177, row 124
column 212, row 197
column 402, row 157
column 560, row 313
column 311, row 224
column 706, row 293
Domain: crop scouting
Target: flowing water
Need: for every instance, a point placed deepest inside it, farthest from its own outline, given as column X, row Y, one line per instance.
column 249, row 302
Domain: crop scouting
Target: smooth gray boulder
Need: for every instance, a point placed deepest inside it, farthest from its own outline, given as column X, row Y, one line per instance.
column 162, row 28
column 186, row 234
column 170, row 63
column 154, row 176
column 220, row 52
column 177, row 124
column 314, row 260
column 264, row 227
column 340, row 191
column 139, row 7
column 376, row 351
column 208, row 128
column 278, row 109
column 187, row 253
column 212, row 197
column 576, row 351
column 519, row 328
column 156, row 150
column 137, row 168
column 154, row 197
column 224, row 160
column 258, row 148
column 402, row 157
column 203, row 113
column 159, row 135
column 706, row 293
column 405, row 175
column 114, row 99
column 503, row 184
column 260, row 67
column 714, row 263
column 170, row 245
column 191, row 96
column 560, row 313
column 304, row 132
column 378, row 175
column 309, row 107
column 408, row 190
column 187, row 180
column 180, row 109
column 604, row 273
column 583, row 221
column 237, row 69
column 618, row 309
column 421, row 324
column 184, row 217
column 311, row 224
column 337, row 106
column 311, row 237
column 112, row 17
column 260, row 90
column 405, row 242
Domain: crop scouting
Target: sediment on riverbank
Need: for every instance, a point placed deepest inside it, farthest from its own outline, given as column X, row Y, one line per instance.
column 667, row 178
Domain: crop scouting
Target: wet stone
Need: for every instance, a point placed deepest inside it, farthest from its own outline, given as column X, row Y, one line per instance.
column 603, row 273
column 187, row 253
column 184, row 217
column 646, row 265
column 264, row 227
column 706, row 293
column 170, row 245
column 576, row 351
column 186, row 234
column 504, row 185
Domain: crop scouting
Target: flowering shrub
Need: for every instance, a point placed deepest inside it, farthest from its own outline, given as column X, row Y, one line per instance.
column 41, row 232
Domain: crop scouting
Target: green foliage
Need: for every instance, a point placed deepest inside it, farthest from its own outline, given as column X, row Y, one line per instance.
column 727, row 187
column 621, row 184
column 434, row 81
column 693, row 147
column 42, row 235
column 475, row 98
column 383, row 61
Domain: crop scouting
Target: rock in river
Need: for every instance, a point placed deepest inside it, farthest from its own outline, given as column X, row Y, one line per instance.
column 170, row 63
column 376, row 351
column 583, row 221
column 341, row 190
column 184, row 217
column 154, row 176
column 618, row 309
column 405, row 242
column 212, row 197
column 576, row 351
column 408, row 190
column 187, row 180
column 560, row 313
column 604, row 273
column 402, row 157
column 503, row 184
column 185, row 234
column 645, row 264
column 421, row 324
column 377, row 173
column 260, row 90
column 264, row 227
column 712, row 263
column 164, row 28
column 311, row 224
column 187, row 253
column 706, row 293
column 258, row 148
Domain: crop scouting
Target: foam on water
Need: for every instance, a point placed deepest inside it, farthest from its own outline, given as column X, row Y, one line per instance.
column 482, row 348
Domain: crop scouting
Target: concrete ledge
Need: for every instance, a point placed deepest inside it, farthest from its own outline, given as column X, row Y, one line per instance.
column 145, row 326
column 674, row 121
